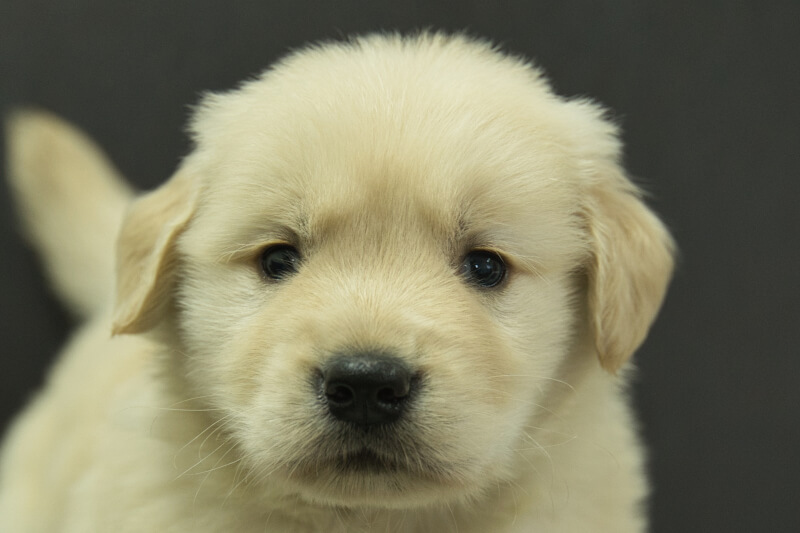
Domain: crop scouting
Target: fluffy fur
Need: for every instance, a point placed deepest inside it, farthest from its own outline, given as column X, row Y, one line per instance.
column 384, row 160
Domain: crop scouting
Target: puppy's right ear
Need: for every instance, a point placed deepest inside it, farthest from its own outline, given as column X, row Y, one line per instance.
column 146, row 257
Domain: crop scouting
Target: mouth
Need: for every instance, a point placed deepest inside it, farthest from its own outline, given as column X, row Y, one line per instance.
column 366, row 461
column 374, row 472
column 360, row 463
column 365, row 476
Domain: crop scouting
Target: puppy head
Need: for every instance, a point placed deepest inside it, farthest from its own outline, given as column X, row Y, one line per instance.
column 378, row 258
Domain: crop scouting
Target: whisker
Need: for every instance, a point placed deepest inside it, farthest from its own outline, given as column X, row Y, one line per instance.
column 200, row 461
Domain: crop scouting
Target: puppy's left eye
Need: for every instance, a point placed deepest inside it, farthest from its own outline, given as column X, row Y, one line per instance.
column 280, row 261
column 484, row 268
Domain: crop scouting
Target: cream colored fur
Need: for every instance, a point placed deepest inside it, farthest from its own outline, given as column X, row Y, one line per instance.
column 384, row 161
column 72, row 201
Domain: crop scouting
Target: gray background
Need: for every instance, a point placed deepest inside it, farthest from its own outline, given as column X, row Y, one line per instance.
column 706, row 92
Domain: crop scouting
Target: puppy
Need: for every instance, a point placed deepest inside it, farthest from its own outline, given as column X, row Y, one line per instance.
column 393, row 288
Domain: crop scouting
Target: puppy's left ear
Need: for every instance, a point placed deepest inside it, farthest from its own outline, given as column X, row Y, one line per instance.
column 630, row 266
column 146, row 257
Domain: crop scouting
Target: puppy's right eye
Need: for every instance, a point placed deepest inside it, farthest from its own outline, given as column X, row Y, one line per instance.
column 280, row 261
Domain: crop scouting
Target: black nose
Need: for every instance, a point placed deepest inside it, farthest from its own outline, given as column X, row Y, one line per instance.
column 366, row 389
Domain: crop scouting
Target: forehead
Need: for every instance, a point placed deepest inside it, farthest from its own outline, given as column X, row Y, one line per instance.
column 462, row 140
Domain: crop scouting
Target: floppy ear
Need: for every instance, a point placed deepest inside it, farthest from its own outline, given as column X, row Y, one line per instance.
column 146, row 258
column 630, row 267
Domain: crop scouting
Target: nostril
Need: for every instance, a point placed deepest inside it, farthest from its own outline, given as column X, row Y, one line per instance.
column 393, row 394
column 339, row 394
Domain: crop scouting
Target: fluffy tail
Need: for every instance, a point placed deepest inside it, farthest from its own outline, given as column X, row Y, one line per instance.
column 71, row 201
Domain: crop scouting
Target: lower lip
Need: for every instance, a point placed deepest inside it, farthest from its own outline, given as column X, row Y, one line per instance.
column 365, row 460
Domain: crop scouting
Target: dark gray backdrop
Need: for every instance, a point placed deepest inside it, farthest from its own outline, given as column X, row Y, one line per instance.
column 707, row 95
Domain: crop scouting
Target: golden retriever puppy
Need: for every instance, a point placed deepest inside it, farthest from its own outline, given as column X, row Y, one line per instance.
column 394, row 288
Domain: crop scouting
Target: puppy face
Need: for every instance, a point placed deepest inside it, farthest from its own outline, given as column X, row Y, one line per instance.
column 380, row 257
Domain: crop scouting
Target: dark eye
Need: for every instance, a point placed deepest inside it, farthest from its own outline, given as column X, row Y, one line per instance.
column 280, row 261
column 483, row 268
